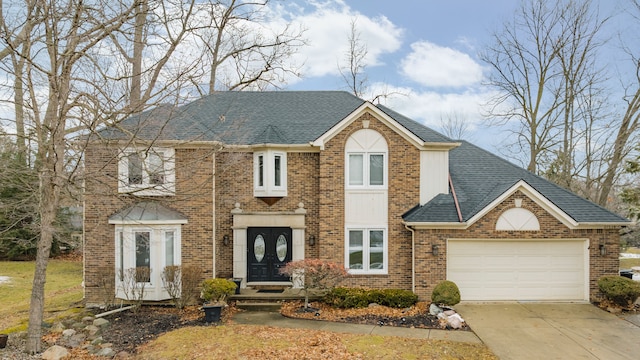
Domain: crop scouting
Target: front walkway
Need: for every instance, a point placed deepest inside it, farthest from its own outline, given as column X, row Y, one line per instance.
column 552, row 331
column 275, row 319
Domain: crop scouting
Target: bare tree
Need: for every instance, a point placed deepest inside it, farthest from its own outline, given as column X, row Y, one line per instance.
column 241, row 51
column 46, row 57
column 353, row 72
column 523, row 60
column 454, row 125
column 551, row 81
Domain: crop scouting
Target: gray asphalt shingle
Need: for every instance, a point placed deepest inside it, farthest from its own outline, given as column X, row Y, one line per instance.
column 300, row 117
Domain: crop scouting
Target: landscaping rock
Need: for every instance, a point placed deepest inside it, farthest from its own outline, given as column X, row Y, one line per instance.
column 69, row 333
column 107, row 352
column 122, row 355
column 455, row 321
column 88, row 320
column 76, row 340
column 101, row 323
column 449, row 312
column 434, row 309
column 92, row 330
column 58, row 327
column 97, row 341
column 56, row 352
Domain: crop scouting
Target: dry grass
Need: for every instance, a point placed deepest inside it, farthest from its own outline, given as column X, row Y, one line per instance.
column 63, row 291
column 263, row 342
column 629, row 263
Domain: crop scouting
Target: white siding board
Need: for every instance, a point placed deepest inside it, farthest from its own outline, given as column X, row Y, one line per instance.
column 434, row 174
column 366, row 208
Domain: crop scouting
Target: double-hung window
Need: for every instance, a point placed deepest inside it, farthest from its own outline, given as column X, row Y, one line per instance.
column 270, row 173
column 148, row 171
column 366, row 203
column 367, row 251
column 366, row 170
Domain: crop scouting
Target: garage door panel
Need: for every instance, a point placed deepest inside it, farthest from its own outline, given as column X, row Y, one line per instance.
column 518, row 270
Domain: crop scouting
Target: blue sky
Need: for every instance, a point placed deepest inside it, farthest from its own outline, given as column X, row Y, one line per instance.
column 427, row 50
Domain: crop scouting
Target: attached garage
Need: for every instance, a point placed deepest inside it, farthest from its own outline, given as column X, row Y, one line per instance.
column 526, row 269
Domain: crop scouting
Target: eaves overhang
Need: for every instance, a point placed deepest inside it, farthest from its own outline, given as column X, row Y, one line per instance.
column 387, row 120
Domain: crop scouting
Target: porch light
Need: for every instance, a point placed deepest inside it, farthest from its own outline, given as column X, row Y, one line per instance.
column 312, row 240
column 225, row 240
column 435, row 249
column 603, row 250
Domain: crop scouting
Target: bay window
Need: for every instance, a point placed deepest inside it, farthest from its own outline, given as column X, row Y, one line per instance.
column 142, row 253
column 270, row 173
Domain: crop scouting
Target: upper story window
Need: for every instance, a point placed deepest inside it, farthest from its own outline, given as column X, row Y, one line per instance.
column 148, row 171
column 366, row 155
column 270, row 173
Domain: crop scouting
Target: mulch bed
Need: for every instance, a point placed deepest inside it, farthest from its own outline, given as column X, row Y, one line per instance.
column 416, row 316
column 130, row 329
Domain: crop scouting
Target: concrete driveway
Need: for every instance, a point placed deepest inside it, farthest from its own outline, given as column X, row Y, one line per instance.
column 552, row 331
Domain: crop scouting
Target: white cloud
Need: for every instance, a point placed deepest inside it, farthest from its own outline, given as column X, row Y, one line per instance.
column 328, row 29
column 435, row 66
column 428, row 107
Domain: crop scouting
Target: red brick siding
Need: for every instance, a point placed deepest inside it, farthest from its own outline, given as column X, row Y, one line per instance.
column 193, row 198
column 234, row 184
column 403, row 194
column 432, row 269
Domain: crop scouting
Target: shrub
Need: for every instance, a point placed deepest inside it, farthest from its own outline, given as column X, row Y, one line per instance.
column 358, row 298
column 314, row 274
column 619, row 290
column 445, row 293
column 347, row 298
column 181, row 283
column 216, row 290
column 396, row 298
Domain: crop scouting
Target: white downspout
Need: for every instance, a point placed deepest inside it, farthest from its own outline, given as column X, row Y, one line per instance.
column 413, row 258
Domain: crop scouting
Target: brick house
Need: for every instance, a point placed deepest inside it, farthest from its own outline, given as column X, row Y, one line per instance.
column 239, row 183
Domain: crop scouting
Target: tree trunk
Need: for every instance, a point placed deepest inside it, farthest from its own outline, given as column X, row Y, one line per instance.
column 36, row 311
column 135, row 96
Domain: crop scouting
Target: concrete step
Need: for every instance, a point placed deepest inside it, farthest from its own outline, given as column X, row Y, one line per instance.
column 258, row 306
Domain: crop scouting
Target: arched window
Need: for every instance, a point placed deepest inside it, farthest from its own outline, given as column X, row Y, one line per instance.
column 518, row 219
column 366, row 157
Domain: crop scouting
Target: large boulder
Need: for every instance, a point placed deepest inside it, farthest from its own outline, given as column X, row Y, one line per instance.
column 56, row 352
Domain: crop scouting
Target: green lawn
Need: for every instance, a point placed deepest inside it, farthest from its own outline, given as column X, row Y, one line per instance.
column 63, row 291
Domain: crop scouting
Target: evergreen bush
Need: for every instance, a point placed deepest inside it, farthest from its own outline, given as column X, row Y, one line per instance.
column 445, row 293
column 620, row 290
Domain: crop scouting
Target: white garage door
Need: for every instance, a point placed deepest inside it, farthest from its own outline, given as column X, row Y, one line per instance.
column 519, row 270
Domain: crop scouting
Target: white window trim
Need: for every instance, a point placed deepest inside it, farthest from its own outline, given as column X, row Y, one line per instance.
column 269, row 188
column 366, row 171
column 147, row 189
column 154, row 290
column 365, row 250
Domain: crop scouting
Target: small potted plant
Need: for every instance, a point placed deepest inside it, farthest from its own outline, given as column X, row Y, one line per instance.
column 214, row 293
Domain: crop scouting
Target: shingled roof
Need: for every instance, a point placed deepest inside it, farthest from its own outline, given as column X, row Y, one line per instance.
column 480, row 177
column 300, row 117
column 250, row 118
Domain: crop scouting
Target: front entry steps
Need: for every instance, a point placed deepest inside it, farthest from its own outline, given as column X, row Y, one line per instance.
column 266, row 297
